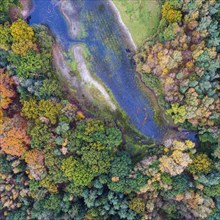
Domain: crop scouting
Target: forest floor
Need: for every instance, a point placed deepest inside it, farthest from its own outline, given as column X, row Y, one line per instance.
column 140, row 16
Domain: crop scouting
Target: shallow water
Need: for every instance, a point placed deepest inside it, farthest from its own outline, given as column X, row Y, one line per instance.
column 111, row 61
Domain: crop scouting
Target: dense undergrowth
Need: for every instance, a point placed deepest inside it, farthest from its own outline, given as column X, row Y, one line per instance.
column 58, row 163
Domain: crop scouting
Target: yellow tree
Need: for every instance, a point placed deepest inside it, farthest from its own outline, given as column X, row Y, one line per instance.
column 22, row 37
column 171, row 14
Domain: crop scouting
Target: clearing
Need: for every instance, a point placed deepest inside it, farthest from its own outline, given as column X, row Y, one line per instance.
column 140, row 16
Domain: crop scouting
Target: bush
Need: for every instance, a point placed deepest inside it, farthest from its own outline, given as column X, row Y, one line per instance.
column 170, row 14
column 40, row 135
column 201, row 164
column 137, row 204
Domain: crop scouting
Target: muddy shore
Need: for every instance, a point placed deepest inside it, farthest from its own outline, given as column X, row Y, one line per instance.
column 27, row 7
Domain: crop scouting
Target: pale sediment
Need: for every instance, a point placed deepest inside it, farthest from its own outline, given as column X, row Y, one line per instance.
column 86, row 76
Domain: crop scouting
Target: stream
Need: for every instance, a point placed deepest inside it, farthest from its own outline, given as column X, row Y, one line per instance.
column 111, row 55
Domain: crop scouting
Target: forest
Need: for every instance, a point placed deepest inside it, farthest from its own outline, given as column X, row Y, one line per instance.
column 59, row 162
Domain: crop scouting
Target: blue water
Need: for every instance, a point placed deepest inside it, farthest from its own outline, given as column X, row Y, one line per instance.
column 111, row 62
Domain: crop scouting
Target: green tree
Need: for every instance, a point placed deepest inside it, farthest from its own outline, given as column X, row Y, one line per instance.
column 212, row 191
column 76, row 171
column 98, row 161
column 44, row 38
column 177, row 112
column 52, row 202
column 94, row 130
column 4, row 9
column 50, row 88
column 5, row 36
column 49, row 110
column 137, row 204
column 40, row 136
column 29, row 65
column 171, row 14
column 30, row 109
column 22, row 37
column 44, row 108
column 121, row 165
column 5, row 166
column 180, row 184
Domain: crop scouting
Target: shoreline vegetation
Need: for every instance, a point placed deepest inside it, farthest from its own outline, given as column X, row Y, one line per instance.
column 87, row 78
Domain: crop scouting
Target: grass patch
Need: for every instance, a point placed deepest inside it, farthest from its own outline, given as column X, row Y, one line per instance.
column 142, row 17
column 73, row 66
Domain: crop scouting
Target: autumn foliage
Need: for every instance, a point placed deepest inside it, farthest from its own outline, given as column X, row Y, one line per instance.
column 32, row 109
column 34, row 157
column 23, row 37
column 58, row 163
column 171, row 14
column 7, row 92
column 13, row 137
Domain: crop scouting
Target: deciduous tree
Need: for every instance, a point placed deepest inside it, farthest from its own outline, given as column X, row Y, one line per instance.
column 7, row 92
column 13, row 137
column 23, row 37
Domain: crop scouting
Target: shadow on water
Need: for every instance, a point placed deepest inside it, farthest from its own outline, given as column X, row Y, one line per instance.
column 111, row 57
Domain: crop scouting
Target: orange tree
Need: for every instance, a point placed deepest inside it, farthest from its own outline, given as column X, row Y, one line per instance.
column 13, row 137
column 34, row 157
column 6, row 90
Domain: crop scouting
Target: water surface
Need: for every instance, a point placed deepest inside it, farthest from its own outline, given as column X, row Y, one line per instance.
column 111, row 58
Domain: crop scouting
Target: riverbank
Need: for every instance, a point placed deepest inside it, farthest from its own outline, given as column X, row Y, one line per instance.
column 159, row 115
column 27, row 7
column 141, row 17
column 126, row 33
column 69, row 82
